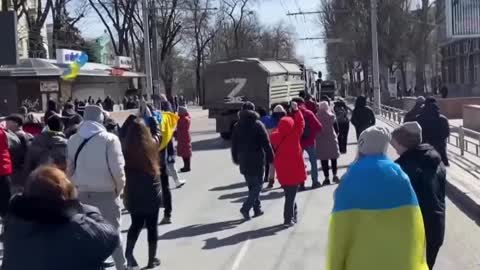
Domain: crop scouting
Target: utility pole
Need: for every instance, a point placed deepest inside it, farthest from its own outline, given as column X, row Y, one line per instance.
column 375, row 61
column 146, row 43
column 155, row 57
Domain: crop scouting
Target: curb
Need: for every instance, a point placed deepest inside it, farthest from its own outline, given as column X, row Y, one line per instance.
column 463, row 198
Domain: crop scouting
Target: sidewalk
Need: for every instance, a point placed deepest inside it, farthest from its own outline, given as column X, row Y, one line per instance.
column 463, row 177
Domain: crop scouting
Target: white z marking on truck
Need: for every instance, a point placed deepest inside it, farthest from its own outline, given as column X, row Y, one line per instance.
column 240, row 84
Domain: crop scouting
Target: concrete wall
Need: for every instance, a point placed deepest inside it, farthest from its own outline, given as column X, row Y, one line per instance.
column 471, row 117
column 453, row 107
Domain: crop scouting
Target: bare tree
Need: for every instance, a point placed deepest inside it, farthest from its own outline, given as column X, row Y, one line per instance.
column 117, row 18
column 65, row 34
column 201, row 32
column 169, row 22
column 35, row 21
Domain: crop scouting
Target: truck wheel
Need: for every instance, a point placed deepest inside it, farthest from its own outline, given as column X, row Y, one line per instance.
column 226, row 135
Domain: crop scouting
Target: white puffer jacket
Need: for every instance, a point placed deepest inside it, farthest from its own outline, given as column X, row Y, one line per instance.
column 100, row 164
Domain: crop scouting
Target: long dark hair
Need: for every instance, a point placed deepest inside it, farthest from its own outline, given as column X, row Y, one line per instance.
column 124, row 129
column 140, row 150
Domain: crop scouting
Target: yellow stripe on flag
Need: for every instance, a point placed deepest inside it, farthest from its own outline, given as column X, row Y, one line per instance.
column 167, row 127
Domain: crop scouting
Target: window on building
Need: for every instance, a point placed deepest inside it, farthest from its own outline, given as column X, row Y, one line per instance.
column 476, row 68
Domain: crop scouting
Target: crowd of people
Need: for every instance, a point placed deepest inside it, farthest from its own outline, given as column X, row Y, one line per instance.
column 386, row 213
column 62, row 181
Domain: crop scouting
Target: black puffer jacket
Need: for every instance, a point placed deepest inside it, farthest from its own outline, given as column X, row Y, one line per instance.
column 362, row 116
column 435, row 129
column 142, row 192
column 47, row 148
column 46, row 235
column 250, row 144
column 427, row 174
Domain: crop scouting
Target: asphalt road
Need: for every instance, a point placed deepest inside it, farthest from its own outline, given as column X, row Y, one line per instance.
column 207, row 234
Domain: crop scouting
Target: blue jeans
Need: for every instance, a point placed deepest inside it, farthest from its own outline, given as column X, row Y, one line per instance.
column 254, row 184
column 312, row 156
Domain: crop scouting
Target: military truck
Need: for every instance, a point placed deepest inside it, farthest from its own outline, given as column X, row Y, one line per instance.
column 229, row 84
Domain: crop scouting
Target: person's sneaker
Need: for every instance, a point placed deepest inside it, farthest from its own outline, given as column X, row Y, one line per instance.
column 154, row 263
column 133, row 267
column 166, row 220
column 302, row 188
column 336, row 179
column 270, row 184
column 181, row 183
column 316, row 185
column 245, row 214
column 288, row 224
column 326, row 182
column 258, row 213
column 184, row 170
column 108, row 264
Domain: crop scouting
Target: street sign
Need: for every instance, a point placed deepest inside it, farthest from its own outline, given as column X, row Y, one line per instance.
column 462, row 18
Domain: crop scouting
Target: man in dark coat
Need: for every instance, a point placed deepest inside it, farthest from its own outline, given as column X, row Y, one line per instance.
column 362, row 116
column 411, row 115
column 251, row 150
column 49, row 148
column 423, row 165
column 435, row 128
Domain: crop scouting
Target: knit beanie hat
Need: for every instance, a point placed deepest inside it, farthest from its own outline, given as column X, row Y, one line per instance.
column 420, row 100
column 374, row 141
column 182, row 110
column 279, row 109
column 248, row 106
column 94, row 113
column 17, row 118
column 408, row 135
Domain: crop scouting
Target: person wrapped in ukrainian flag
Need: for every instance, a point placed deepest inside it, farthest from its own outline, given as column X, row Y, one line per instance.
column 376, row 222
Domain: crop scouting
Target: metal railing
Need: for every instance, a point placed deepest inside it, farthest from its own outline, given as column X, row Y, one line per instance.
column 466, row 140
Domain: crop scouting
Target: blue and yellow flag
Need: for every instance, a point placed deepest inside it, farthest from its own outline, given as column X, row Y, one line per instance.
column 376, row 223
column 168, row 124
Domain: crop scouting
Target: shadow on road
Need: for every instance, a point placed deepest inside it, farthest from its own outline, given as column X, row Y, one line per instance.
column 213, row 243
column 210, row 144
column 234, row 195
column 263, row 197
column 231, row 186
column 200, row 229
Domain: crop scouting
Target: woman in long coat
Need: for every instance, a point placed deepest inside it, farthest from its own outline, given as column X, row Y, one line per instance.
column 327, row 143
column 184, row 139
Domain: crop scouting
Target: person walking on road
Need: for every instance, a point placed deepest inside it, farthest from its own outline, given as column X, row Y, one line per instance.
column 96, row 164
column 289, row 163
column 412, row 115
column 184, row 139
column 435, row 128
column 376, row 222
column 50, row 229
column 423, row 164
column 343, row 122
column 6, row 170
column 327, row 143
column 362, row 116
column 49, row 148
column 271, row 124
column 251, row 150
column 142, row 189
column 312, row 127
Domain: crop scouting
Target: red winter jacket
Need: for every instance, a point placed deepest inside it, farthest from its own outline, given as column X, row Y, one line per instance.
column 184, row 146
column 285, row 140
column 313, row 123
column 311, row 105
column 5, row 161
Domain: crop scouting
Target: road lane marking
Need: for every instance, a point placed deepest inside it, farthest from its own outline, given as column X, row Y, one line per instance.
column 241, row 255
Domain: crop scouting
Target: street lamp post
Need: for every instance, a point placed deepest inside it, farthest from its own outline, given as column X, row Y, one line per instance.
column 146, row 43
column 375, row 61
